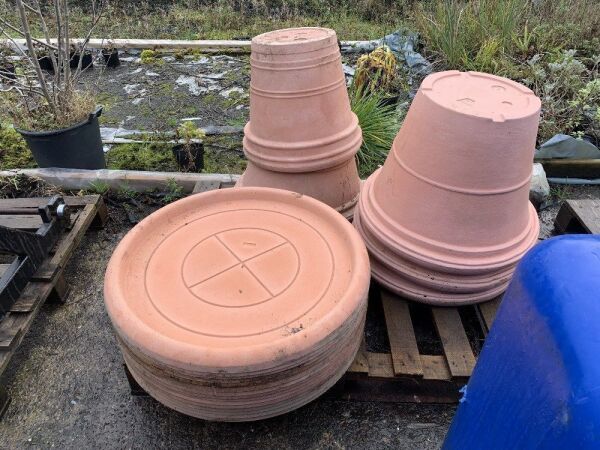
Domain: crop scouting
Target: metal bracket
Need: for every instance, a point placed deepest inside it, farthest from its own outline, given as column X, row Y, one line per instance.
column 29, row 249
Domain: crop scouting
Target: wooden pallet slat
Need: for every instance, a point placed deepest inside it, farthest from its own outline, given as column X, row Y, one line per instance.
column 361, row 361
column 578, row 216
column 401, row 334
column 487, row 312
column 380, row 365
column 435, row 367
column 21, row 221
column 457, row 349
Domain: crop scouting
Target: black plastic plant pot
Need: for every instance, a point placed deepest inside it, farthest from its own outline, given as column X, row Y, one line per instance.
column 111, row 57
column 190, row 157
column 76, row 147
column 7, row 70
column 87, row 62
column 46, row 63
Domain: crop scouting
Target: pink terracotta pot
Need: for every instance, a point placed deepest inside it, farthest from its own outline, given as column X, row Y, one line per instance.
column 447, row 217
column 239, row 304
column 300, row 117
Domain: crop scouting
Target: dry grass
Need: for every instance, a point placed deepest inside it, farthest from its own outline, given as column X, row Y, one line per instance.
column 31, row 114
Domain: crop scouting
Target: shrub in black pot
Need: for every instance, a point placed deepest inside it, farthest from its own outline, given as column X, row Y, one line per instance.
column 111, row 57
column 189, row 156
column 77, row 147
column 58, row 122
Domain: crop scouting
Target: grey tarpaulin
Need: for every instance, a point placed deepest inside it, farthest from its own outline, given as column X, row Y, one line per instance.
column 399, row 42
column 563, row 146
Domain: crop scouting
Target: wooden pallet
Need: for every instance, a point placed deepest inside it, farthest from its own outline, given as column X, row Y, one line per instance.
column 579, row 216
column 432, row 351
column 48, row 282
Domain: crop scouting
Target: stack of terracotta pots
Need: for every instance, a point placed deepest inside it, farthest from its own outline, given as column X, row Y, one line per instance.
column 239, row 304
column 447, row 217
column 302, row 135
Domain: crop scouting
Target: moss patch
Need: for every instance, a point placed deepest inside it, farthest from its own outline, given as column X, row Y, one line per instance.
column 14, row 153
column 152, row 156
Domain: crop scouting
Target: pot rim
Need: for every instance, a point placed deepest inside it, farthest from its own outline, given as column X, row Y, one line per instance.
column 97, row 113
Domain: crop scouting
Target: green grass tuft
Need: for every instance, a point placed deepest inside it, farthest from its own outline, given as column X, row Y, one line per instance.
column 379, row 124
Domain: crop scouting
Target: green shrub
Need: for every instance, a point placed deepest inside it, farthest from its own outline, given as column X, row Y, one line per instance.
column 569, row 91
column 379, row 124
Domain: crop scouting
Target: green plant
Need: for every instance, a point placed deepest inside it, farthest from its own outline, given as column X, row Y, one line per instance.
column 173, row 191
column 379, row 124
column 148, row 56
column 569, row 92
column 99, row 187
column 470, row 35
column 376, row 71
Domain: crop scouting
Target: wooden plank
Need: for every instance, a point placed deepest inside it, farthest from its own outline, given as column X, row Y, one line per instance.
column 10, row 331
column 66, row 246
column 35, row 202
column 571, row 168
column 435, row 367
column 380, row 365
column 361, row 361
column 206, row 185
column 60, row 292
column 29, row 298
column 401, row 334
column 457, row 349
column 4, row 401
column 487, row 312
column 153, row 44
column 587, row 212
column 28, row 222
column 24, row 321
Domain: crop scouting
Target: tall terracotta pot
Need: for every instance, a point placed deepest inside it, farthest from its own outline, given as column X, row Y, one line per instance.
column 447, row 217
column 302, row 134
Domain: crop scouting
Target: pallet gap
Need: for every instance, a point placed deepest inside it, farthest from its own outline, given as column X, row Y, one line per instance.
column 472, row 325
column 375, row 328
column 428, row 341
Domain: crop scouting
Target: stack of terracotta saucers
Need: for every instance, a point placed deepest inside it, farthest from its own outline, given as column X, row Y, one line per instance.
column 447, row 217
column 302, row 135
column 239, row 304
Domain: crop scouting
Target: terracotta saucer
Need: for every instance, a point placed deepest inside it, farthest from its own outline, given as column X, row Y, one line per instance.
column 239, row 284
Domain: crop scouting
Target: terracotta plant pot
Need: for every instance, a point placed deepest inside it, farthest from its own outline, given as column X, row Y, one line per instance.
column 300, row 117
column 447, row 217
column 239, row 304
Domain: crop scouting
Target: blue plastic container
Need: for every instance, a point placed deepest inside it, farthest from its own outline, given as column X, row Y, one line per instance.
column 536, row 384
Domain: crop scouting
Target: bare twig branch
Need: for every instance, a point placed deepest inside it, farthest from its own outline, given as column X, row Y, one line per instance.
column 38, row 11
column 67, row 38
column 96, row 18
column 33, row 54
